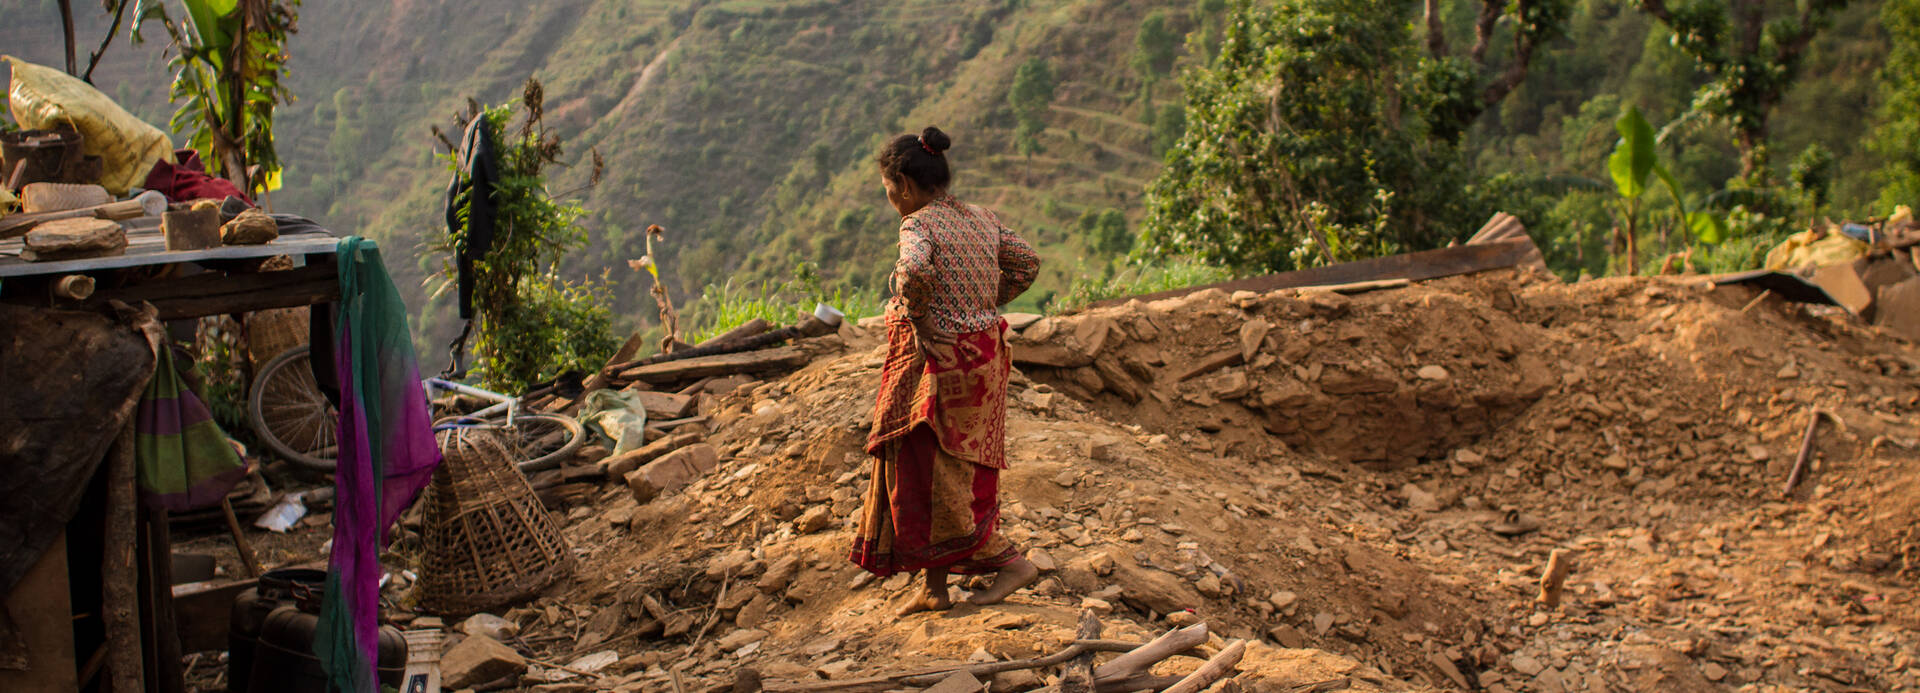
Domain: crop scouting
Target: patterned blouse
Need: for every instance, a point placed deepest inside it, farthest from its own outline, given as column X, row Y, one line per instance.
column 960, row 263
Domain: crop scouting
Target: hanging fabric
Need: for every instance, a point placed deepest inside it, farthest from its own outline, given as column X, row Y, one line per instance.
column 387, row 455
column 184, row 460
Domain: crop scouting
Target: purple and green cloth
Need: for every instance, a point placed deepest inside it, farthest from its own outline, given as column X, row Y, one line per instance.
column 183, row 458
column 387, row 455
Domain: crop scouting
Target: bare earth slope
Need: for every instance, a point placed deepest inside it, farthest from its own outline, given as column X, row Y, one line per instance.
column 1331, row 499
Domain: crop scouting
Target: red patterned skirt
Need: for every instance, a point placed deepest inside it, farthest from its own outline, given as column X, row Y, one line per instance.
column 938, row 445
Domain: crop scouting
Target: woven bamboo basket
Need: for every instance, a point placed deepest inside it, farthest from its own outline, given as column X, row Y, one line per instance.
column 489, row 541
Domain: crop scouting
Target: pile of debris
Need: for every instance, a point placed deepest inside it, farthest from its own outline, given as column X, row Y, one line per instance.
column 1366, row 488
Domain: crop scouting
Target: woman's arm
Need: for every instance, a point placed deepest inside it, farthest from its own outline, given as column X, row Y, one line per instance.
column 1018, row 265
column 913, row 280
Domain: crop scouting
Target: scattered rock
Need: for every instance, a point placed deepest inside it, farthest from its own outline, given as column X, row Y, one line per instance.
column 1713, row 671
column 813, row 520
column 1432, row 372
column 740, row 638
column 1282, row 599
column 1418, row 499
column 1042, row 560
column 1182, row 618
column 1098, row 606
column 1288, row 636
column 957, row 682
column 1101, row 564
column 1526, row 665
column 478, row 659
column 780, row 575
column 490, row 626
column 673, row 471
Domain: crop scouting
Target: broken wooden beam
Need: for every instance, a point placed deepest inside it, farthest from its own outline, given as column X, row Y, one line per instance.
column 1138, row 660
column 600, row 379
column 1417, row 266
column 216, row 293
column 1214, row 670
column 778, row 358
column 665, row 405
column 739, row 332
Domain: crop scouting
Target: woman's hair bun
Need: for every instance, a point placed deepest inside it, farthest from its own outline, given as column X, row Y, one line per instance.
column 935, row 139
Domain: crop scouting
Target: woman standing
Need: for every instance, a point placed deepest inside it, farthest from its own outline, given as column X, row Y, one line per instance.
column 939, row 426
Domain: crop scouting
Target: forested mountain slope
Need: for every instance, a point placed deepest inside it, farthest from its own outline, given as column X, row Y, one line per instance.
column 746, row 127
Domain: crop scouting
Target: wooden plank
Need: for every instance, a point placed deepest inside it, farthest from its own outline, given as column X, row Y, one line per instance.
column 43, row 612
column 217, row 293
column 742, row 331
column 148, row 247
column 204, row 612
column 1420, row 266
column 719, row 364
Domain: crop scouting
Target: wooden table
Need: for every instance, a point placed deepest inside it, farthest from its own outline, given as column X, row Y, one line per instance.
column 233, row 281
column 181, row 284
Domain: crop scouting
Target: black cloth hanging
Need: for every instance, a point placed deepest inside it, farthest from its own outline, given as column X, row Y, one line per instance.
column 478, row 171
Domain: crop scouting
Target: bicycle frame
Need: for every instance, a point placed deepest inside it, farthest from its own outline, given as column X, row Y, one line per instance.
column 501, row 402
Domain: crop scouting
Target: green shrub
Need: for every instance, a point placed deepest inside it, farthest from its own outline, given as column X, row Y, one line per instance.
column 530, row 325
column 558, row 326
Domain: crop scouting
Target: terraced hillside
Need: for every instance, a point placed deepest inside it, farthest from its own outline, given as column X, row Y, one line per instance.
column 744, row 127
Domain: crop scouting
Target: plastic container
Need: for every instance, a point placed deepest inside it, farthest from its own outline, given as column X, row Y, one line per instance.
column 277, row 588
column 283, row 660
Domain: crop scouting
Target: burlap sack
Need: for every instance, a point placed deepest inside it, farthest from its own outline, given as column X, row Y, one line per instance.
column 43, row 98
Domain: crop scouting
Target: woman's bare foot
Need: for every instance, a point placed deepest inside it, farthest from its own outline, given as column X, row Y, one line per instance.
column 1016, row 575
column 927, row 602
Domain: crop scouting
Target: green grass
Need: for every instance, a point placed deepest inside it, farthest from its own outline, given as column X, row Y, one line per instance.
column 725, row 306
column 1146, row 278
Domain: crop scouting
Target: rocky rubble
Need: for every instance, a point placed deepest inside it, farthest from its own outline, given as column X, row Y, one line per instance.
column 1366, row 487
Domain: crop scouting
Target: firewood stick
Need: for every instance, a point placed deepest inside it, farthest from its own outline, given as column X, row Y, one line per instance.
column 1135, row 683
column 240, row 542
column 1167, row 645
column 1756, row 301
column 931, row 676
column 1214, row 670
column 1554, row 578
column 1801, row 463
column 120, row 600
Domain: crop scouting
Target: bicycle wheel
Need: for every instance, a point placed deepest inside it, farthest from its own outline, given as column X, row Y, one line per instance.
column 539, row 441
column 288, row 412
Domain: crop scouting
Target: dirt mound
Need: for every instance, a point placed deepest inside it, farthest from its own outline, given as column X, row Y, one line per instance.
column 1365, row 486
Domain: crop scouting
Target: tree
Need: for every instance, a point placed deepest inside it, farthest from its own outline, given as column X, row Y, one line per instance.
column 1169, row 124
column 229, row 58
column 1316, row 135
column 1535, row 22
column 1030, row 95
column 1153, row 46
column 1749, row 61
column 1897, row 136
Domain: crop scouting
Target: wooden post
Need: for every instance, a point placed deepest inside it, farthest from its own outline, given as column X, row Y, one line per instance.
column 120, row 599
